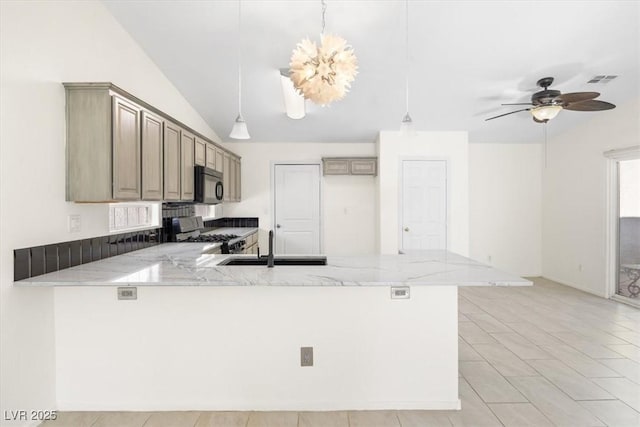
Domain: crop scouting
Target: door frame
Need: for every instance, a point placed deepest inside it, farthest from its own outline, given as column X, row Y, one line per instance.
column 272, row 168
column 447, row 161
column 612, row 215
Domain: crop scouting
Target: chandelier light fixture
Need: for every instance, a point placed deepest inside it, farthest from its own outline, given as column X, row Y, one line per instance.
column 323, row 73
column 406, row 126
column 239, row 130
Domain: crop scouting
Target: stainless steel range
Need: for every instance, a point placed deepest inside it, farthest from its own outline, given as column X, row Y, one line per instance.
column 191, row 229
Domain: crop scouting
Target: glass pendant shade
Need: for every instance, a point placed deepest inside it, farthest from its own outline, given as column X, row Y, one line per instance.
column 406, row 126
column 546, row 112
column 239, row 130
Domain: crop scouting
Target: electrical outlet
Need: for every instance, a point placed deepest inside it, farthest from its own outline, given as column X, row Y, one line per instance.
column 128, row 293
column 306, row 356
column 400, row 292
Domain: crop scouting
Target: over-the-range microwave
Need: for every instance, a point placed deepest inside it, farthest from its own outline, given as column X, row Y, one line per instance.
column 208, row 185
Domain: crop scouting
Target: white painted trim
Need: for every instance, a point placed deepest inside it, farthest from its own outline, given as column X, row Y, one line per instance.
column 613, row 157
column 272, row 168
column 447, row 161
column 625, row 300
column 268, row 406
column 578, row 287
column 611, row 229
column 627, row 153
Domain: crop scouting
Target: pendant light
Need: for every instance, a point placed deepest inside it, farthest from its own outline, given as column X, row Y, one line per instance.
column 239, row 130
column 406, row 127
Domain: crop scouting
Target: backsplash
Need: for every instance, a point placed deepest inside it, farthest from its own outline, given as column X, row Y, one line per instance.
column 232, row 222
column 37, row 260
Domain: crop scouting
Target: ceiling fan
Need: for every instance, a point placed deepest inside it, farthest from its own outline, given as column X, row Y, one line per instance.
column 547, row 103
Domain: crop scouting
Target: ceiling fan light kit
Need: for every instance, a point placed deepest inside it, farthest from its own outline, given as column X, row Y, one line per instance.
column 547, row 103
column 546, row 112
column 323, row 73
column 239, row 130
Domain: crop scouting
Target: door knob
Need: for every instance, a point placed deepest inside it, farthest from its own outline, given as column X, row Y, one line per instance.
column 277, row 225
column 406, row 229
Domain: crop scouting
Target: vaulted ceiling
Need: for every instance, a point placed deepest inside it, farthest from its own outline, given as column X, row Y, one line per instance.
column 466, row 58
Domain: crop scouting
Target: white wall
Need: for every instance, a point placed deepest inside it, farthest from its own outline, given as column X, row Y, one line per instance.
column 42, row 45
column 505, row 227
column 450, row 145
column 349, row 202
column 574, row 196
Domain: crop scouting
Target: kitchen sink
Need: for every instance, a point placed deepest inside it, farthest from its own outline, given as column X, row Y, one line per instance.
column 278, row 260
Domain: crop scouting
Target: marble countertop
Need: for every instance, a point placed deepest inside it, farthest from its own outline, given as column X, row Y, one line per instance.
column 188, row 264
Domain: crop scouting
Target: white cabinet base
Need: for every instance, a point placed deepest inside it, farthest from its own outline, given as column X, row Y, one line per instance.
column 238, row 348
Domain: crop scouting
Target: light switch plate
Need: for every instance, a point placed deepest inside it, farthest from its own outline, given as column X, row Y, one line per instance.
column 74, row 223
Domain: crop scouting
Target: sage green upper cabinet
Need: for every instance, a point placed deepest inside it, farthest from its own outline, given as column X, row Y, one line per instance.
column 172, row 160
column 120, row 148
column 219, row 160
column 226, row 178
column 200, row 152
column 238, row 193
column 126, row 150
column 186, row 165
column 103, row 145
column 230, row 179
column 152, row 148
column 210, row 157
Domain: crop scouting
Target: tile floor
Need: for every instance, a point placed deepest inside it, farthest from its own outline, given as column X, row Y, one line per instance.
column 546, row 355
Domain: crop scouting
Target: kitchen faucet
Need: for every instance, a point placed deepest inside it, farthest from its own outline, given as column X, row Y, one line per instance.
column 270, row 256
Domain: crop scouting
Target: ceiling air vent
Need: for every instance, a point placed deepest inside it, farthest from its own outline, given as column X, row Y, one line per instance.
column 601, row 79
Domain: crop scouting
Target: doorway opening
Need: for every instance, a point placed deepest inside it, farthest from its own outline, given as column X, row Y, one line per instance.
column 624, row 226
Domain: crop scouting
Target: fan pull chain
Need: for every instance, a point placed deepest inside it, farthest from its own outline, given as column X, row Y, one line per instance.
column 545, row 144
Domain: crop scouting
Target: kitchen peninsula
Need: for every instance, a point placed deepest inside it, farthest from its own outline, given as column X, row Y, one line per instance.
column 206, row 336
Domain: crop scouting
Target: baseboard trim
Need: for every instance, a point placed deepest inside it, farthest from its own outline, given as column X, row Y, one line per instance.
column 264, row 406
column 578, row 287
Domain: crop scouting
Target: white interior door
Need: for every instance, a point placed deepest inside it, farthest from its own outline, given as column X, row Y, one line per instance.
column 297, row 209
column 424, row 205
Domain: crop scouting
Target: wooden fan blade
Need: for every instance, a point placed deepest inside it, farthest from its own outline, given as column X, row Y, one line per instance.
column 506, row 114
column 519, row 103
column 590, row 105
column 569, row 98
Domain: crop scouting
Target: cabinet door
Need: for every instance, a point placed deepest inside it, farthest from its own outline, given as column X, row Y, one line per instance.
column 335, row 166
column 210, row 156
column 226, row 177
column 186, row 166
column 151, row 157
column 172, row 137
column 363, row 167
column 231, row 179
column 200, row 152
column 126, row 150
column 219, row 160
column 238, row 181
